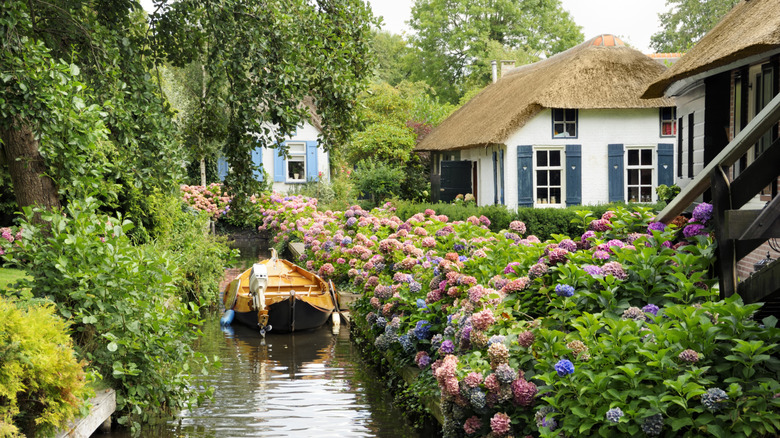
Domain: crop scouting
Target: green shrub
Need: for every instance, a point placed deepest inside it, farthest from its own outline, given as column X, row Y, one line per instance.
column 128, row 319
column 377, row 180
column 320, row 190
column 42, row 384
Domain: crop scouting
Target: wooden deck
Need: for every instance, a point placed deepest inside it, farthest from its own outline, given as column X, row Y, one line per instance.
column 103, row 406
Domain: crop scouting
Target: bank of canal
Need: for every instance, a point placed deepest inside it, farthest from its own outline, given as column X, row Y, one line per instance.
column 302, row 385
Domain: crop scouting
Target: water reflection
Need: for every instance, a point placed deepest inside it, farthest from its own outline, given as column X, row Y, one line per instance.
column 288, row 385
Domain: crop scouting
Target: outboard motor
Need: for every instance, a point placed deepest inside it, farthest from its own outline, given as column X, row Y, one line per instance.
column 258, row 283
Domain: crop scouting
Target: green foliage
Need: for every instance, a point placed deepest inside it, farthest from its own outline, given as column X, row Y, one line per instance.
column 667, row 193
column 686, row 22
column 42, row 383
column 377, row 180
column 128, row 320
column 393, row 57
column 455, row 40
column 322, row 191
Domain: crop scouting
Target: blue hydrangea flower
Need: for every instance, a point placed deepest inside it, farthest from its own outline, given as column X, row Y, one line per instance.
column 351, row 221
column 381, row 322
column 436, row 341
column 564, row 367
column 614, row 415
column 462, row 258
column 406, row 344
column 651, row 308
column 346, row 241
column 496, row 339
column 422, row 330
column 564, row 290
column 714, row 398
column 458, row 247
column 415, row 287
column 421, row 303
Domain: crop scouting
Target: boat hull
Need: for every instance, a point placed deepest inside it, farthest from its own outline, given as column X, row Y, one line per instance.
column 292, row 315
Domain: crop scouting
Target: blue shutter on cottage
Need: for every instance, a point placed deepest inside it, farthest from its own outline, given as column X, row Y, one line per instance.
column 495, row 178
column 279, row 167
column 665, row 164
column 615, row 172
column 525, row 180
column 257, row 160
column 573, row 174
column 222, row 168
column 311, row 161
column 501, row 169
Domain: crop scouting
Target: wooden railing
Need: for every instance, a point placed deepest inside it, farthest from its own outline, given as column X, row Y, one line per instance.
column 739, row 232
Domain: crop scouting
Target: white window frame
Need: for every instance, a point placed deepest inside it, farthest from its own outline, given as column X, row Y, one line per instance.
column 295, row 156
column 652, row 167
column 537, row 168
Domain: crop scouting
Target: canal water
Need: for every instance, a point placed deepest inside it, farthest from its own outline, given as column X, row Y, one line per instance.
column 310, row 384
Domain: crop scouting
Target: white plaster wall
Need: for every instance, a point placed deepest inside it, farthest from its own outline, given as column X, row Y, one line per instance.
column 691, row 101
column 596, row 129
column 305, row 132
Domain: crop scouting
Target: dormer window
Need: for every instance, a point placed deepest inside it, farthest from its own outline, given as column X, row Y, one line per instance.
column 668, row 121
column 564, row 123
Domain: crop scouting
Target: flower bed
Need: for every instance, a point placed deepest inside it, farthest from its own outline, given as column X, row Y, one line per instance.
column 617, row 332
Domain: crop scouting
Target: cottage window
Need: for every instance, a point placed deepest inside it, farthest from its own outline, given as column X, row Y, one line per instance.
column 668, row 122
column 296, row 162
column 639, row 178
column 549, row 176
column 564, row 123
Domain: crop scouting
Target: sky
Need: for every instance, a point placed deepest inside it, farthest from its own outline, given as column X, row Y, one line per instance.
column 634, row 21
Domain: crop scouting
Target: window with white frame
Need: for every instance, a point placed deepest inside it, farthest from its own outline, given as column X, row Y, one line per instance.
column 668, row 121
column 549, row 176
column 639, row 170
column 564, row 123
column 296, row 162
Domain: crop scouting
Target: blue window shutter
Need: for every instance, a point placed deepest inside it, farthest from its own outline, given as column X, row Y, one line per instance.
column 501, row 169
column 311, row 161
column 616, row 171
column 495, row 178
column 222, row 168
column 525, row 179
column 665, row 164
column 257, row 160
column 279, row 167
column 573, row 174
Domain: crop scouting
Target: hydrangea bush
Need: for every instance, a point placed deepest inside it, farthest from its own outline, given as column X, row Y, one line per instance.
column 617, row 332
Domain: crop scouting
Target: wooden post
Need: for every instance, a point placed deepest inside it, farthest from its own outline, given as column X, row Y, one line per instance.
column 726, row 263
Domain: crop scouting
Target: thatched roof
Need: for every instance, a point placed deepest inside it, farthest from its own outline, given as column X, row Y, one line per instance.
column 750, row 28
column 599, row 73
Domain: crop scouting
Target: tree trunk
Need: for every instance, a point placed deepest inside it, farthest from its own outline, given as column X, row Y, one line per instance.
column 28, row 171
column 203, row 171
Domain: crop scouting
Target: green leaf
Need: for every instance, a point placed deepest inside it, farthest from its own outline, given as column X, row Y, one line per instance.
column 112, row 346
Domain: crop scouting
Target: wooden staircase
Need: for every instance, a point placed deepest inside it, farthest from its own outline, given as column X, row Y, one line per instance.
column 740, row 231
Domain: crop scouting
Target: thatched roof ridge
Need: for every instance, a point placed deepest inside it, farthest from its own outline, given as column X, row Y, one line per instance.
column 750, row 28
column 587, row 76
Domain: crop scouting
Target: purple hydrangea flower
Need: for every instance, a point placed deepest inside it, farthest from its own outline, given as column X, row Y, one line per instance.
column 592, row 270
column 655, row 226
column 614, row 415
column 702, row 213
column 651, row 308
column 351, row 221
column 447, row 347
column 694, row 230
column 564, row 290
column 564, row 367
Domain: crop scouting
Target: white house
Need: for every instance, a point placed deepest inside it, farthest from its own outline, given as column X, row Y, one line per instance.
column 567, row 130
column 305, row 160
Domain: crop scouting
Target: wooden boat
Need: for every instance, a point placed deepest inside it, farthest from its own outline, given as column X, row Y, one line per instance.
column 277, row 294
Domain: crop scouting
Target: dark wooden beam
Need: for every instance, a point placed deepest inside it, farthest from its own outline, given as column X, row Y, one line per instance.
column 767, row 224
column 745, row 247
column 726, row 264
column 759, row 174
column 761, row 284
column 739, row 221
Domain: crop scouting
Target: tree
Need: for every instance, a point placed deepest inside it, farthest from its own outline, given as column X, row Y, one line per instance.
column 686, row 22
column 394, row 58
column 272, row 54
column 455, row 37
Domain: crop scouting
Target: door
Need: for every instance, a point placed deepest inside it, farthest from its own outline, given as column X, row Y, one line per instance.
column 455, row 179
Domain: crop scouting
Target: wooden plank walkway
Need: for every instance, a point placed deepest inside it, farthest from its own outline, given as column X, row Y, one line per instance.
column 103, row 406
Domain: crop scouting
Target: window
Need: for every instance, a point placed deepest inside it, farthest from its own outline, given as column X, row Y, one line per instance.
column 564, row 123
column 639, row 171
column 296, row 162
column 668, row 125
column 549, row 176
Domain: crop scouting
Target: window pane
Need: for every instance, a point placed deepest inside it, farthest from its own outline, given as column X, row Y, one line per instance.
column 555, row 158
column 571, row 129
column 633, row 194
column 295, row 169
column 666, row 113
column 571, row 115
column 646, row 194
column 633, row 157
column 541, row 158
column 647, row 157
column 647, row 177
column 633, row 177
column 555, row 196
column 541, row 195
column 666, row 128
column 558, row 115
column 555, row 177
column 296, row 148
column 541, row 177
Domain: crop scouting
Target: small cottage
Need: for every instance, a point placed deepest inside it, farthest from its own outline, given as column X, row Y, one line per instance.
column 571, row 129
column 305, row 161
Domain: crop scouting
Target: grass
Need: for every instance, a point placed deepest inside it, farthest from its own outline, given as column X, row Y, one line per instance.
column 9, row 276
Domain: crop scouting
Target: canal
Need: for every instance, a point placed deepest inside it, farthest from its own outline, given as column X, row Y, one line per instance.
column 310, row 384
